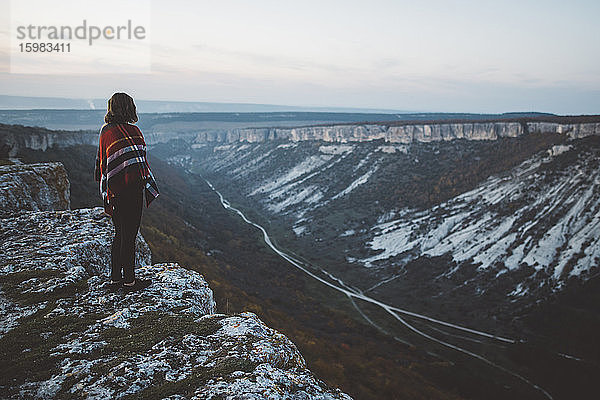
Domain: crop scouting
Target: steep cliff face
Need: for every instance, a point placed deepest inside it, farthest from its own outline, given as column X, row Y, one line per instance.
column 15, row 137
column 33, row 187
column 64, row 332
column 574, row 131
column 405, row 134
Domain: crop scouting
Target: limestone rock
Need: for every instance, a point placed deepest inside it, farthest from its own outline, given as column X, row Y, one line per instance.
column 162, row 342
column 33, row 187
column 15, row 137
column 405, row 134
column 73, row 243
column 574, row 131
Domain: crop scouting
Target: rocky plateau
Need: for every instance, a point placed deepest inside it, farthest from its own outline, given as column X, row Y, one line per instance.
column 65, row 333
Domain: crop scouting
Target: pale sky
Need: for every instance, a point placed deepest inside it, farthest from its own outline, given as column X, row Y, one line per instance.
column 447, row 56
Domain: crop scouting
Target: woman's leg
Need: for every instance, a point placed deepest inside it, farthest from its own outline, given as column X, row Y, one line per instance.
column 132, row 214
column 116, row 263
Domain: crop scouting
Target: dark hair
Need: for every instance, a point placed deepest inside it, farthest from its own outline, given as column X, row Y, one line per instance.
column 121, row 109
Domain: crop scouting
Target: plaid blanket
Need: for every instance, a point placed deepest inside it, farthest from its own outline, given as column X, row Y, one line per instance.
column 122, row 154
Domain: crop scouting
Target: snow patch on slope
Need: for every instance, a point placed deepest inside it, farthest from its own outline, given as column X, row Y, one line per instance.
column 340, row 149
column 393, row 149
column 361, row 180
column 305, row 167
column 529, row 218
column 309, row 195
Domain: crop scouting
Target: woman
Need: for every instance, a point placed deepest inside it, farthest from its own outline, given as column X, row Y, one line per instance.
column 124, row 176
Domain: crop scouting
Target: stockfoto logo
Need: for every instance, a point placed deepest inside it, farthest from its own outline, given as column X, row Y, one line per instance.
column 81, row 32
column 80, row 37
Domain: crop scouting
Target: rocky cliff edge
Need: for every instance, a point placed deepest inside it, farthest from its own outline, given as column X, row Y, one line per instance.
column 64, row 333
column 33, row 187
column 405, row 134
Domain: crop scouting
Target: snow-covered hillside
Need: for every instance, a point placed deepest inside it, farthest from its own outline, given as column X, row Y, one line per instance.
column 288, row 180
column 540, row 215
column 514, row 218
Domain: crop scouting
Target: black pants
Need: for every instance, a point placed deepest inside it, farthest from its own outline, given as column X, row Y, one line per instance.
column 127, row 214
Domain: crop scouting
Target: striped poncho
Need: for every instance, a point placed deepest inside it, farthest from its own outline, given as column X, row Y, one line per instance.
column 121, row 159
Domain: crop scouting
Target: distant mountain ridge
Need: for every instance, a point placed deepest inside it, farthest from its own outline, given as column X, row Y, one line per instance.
column 200, row 128
column 164, row 106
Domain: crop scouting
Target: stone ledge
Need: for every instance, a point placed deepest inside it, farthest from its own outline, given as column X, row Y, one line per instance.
column 33, row 187
column 66, row 333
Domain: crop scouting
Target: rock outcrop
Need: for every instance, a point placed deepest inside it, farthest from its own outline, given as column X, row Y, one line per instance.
column 15, row 137
column 405, row 134
column 574, row 131
column 64, row 332
column 33, row 187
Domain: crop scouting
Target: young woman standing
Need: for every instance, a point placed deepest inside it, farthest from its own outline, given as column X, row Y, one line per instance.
column 124, row 176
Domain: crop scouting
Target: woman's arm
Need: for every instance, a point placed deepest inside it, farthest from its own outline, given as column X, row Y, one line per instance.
column 97, row 172
column 100, row 162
